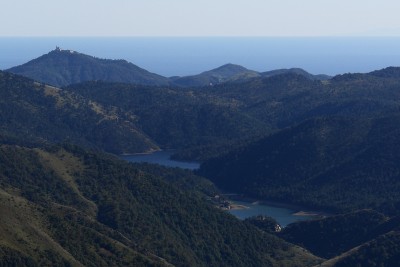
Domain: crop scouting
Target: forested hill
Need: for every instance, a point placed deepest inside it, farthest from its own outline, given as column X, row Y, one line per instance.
column 62, row 206
column 333, row 163
column 176, row 117
column 321, row 77
column 225, row 73
column 64, row 67
column 37, row 113
column 203, row 121
column 361, row 238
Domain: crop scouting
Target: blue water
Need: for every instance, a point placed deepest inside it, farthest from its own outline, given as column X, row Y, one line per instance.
column 170, row 56
column 161, row 158
column 283, row 216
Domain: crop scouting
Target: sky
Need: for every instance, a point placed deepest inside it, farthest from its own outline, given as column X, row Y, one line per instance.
column 199, row 18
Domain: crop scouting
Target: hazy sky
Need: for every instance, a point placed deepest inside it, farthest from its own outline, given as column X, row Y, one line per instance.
column 199, row 17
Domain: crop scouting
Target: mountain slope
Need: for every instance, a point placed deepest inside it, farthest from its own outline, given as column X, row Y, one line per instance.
column 68, row 207
column 332, row 236
column 381, row 251
column 211, row 119
column 361, row 238
column 65, row 67
column 288, row 99
column 38, row 113
column 330, row 163
column 176, row 117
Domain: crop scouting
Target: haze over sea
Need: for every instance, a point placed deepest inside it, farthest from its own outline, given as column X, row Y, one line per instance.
column 180, row 56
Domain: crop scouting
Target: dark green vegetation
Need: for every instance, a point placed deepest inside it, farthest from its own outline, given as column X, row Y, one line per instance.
column 176, row 118
column 215, row 116
column 265, row 223
column 68, row 207
column 338, row 148
column 338, row 164
column 37, row 113
column 339, row 151
column 382, row 251
column 64, row 67
column 335, row 235
column 362, row 238
column 181, row 178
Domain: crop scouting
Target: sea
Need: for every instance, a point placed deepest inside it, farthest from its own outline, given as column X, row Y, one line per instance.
column 181, row 56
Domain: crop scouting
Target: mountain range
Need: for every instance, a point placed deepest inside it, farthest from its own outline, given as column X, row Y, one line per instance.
column 328, row 143
column 65, row 67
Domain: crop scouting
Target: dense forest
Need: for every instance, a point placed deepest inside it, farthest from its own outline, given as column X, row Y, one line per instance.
column 207, row 121
column 176, row 118
column 38, row 113
column 67, row 207
column 360, row 238
column 332, row 236
column 331, row 163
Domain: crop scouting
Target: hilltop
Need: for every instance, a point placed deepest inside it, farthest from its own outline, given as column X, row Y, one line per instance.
column 225, row 73
column 64, row 67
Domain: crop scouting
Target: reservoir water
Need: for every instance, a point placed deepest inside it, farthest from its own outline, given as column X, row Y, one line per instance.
column 282, row 215
column 162, row 158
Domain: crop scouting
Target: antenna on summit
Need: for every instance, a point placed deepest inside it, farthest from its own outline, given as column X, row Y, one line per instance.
column 58, row 48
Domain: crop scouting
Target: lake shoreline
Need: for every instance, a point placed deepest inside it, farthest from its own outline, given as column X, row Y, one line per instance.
column 234, row 206
column 239, row 205
column 298, row 210
column 148, row 152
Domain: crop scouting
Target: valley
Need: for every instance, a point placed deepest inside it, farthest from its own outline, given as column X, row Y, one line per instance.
column 314, row 141
column 284, row 214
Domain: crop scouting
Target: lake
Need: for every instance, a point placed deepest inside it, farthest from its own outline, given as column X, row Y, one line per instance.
column 283, row 216
column 162, row 158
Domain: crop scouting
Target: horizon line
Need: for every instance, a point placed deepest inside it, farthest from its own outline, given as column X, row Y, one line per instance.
column 200, row 36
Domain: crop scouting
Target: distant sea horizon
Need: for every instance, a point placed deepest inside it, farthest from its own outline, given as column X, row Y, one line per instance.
column 181, row 56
